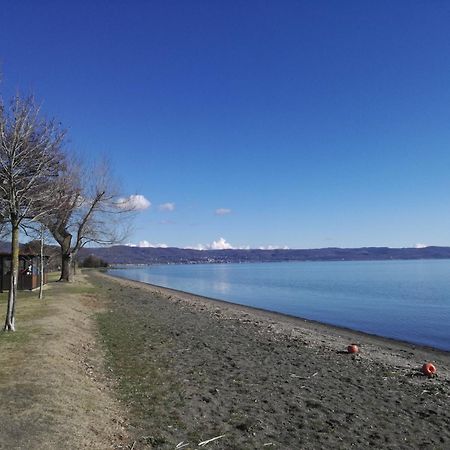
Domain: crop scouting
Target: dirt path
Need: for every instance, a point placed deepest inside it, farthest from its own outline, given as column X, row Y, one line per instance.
column 52, row 388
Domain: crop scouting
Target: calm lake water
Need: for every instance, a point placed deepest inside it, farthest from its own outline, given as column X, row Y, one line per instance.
column 408, row 300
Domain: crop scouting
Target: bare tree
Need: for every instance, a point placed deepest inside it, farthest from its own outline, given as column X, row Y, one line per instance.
column 30, row 159
column 90, row 211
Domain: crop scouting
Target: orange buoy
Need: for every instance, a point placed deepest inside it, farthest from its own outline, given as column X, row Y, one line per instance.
column 429, row 369
column 352, row 348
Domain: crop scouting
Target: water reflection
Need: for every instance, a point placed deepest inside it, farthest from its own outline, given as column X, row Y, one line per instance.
column 222, row 287
column 401, row 299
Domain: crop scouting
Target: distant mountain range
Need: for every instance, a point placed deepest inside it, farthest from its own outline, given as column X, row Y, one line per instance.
column 122, row 254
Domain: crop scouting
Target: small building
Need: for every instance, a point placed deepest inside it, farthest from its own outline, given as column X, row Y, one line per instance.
column 29, row 272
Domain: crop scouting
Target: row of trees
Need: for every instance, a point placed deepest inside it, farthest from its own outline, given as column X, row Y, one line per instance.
column 42, row 184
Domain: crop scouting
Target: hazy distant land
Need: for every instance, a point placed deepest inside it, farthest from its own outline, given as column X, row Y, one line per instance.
column 123, row 254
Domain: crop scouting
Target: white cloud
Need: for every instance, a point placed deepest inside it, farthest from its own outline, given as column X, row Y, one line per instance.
column 220, row 244
column 147, row 244
column 223, row 244
column 222, row 211
column 134, row 202
column 167, row 206
column 421, row 245
column 273, row 247
column 197, row 247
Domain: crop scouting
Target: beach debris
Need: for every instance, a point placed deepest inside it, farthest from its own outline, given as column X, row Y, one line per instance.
column 203, row 443
column 293, row 375
column 353, row 348
column 182, row 444
column 429, row 369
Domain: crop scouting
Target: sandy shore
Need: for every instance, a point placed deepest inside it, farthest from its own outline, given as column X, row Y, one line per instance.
column 265, row 380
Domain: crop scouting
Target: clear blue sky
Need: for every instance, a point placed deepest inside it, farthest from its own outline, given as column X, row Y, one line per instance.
column 316, row 123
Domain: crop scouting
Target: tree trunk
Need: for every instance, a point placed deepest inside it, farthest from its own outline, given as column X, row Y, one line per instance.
column 41, row 265
column 75, row 261
column 66, row 259
column 11, row 309
column 66, row 267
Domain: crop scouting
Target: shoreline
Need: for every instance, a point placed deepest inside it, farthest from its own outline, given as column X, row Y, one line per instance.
column 192, row 369
column 335, row 337
column 390, row 315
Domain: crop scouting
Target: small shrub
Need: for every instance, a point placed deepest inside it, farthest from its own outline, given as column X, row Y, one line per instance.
column 93, row 261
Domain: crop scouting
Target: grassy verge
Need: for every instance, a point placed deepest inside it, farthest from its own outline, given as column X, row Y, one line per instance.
column 29, row 310
column 32, row 316
column 52, row 384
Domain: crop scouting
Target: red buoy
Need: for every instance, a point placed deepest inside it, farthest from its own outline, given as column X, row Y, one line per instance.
column 429, row 369
column 353, row 348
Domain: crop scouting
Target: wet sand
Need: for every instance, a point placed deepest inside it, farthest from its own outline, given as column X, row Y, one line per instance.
column 265, row 380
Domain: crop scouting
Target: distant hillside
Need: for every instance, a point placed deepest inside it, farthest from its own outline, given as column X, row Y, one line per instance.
column 122, row 254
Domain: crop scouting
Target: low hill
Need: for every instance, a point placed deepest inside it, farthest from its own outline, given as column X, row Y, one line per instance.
column 122, row 254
